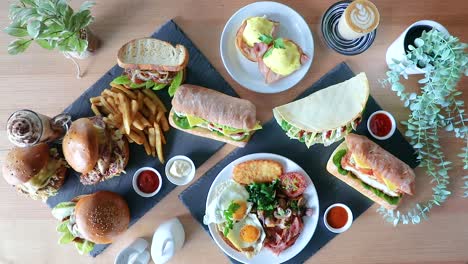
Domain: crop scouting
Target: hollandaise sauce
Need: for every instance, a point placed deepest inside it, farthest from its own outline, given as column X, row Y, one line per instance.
column 284, row 61
column 255, row 27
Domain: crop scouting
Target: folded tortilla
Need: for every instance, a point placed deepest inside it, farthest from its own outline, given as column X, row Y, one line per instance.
column 325, row 116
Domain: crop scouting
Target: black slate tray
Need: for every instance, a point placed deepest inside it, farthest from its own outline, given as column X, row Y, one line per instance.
column 330, row 189
column 199, row 72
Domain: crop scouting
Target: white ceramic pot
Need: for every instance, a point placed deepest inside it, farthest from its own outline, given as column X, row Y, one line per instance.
column 167, row 240
column 397, row 48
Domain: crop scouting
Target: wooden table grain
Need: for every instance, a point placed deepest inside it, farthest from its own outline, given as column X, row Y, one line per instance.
column 45, row 81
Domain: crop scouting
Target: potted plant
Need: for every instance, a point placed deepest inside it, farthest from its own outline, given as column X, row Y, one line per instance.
column 438, row 105
column 52, row 24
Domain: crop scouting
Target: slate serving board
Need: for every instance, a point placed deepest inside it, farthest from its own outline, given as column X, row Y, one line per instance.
column 199, row 72
column 330, row 189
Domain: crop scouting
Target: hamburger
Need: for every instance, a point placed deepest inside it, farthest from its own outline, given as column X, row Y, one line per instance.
column 95, row 150
column 92, row 219
column 36, row 171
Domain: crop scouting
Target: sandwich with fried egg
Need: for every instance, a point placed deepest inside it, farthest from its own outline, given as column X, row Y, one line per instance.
column 208, row 113
column 251, row 31
column 278, row 58
column 327, row 115
column 372, row 171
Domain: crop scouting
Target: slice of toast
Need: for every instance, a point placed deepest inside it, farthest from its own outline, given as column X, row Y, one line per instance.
column 152, row 54
column 257, row 171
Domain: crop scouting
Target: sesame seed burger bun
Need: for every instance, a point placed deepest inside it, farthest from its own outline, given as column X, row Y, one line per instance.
column 102, row 216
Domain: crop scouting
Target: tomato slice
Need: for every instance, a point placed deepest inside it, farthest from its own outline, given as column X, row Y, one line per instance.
column 293, row 184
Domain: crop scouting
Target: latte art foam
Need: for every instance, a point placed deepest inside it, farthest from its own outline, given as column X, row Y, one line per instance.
column 362, row 17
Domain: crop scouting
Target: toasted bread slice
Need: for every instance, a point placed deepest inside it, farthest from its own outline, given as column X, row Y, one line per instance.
column 152, row 54
column 257, row 171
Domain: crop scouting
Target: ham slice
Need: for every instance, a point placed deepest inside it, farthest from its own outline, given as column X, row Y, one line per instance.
column 246, row 50
column 269, row 75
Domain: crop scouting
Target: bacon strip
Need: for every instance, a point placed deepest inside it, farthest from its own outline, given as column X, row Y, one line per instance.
column 278, row 240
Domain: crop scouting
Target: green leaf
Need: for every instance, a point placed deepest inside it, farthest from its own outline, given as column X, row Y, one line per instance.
column 34, row 28
column 122, row 79
column 63, row 210
column 159, row 86
column 81, row 45
column 66, row 238
column 16, row 30
column 84, row 247
column 44, row 44
column 267, row 39
column 176, row 82
column 149, row 84
column 63, row 226
column 268, row 53
column 136, row 86
column 87, row 5
column 279, row 43
column 18, row 46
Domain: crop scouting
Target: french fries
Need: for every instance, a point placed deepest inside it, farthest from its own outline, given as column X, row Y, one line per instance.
column 139, row 114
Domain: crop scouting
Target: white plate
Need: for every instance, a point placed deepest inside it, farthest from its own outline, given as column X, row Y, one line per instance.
column 310, row 222
column 245, row 72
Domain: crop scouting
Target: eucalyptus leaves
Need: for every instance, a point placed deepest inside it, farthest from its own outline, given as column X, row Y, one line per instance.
column 436, row 107
column 52, row 24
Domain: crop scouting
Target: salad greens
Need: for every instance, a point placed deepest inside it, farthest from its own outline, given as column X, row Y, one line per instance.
column 337, row 161
column 228, row 215
column 150, row 84
column 264, row 195
column 64, row 212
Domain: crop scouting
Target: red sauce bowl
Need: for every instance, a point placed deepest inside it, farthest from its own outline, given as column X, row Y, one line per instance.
column 338, row 218
column 381, row 125
column 147, row 182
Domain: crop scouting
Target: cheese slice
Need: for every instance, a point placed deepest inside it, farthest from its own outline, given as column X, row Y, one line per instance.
column 360, row 163
column 194, row 121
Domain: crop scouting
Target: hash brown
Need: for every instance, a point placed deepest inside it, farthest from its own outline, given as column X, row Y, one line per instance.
column 257, row 171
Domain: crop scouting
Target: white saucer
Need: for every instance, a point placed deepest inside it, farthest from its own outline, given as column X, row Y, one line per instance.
column 245, row 72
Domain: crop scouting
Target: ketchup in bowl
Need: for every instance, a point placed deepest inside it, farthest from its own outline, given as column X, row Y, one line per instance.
column 381, row 125
column 148, row 181
column 337, row 217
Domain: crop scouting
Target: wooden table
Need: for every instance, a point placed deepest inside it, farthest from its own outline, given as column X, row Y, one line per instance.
column 45, row 81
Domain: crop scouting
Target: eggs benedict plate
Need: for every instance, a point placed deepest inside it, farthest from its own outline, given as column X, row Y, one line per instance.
column 233, row 213
column 247, row 28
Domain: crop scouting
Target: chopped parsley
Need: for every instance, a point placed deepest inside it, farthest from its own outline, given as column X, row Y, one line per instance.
column 263, row 195
column 228, row 215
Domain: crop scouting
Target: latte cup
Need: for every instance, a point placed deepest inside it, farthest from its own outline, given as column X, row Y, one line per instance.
column 359, row 18
column 397, row 50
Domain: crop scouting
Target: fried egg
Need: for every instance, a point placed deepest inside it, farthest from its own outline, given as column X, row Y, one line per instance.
column 228, row 192
column 247, row 235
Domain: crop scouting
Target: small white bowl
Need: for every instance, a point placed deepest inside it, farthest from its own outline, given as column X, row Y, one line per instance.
column 183, row 180
column 392, row 130
column 135, row 183
column 346, row 226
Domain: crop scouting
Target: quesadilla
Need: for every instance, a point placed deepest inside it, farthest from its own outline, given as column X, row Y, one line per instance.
column 325, row 116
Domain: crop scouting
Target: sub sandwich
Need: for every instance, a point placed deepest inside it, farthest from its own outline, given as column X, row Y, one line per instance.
column 211, row 114
column 327, row 115
column 152, row 63
column 372, row 171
